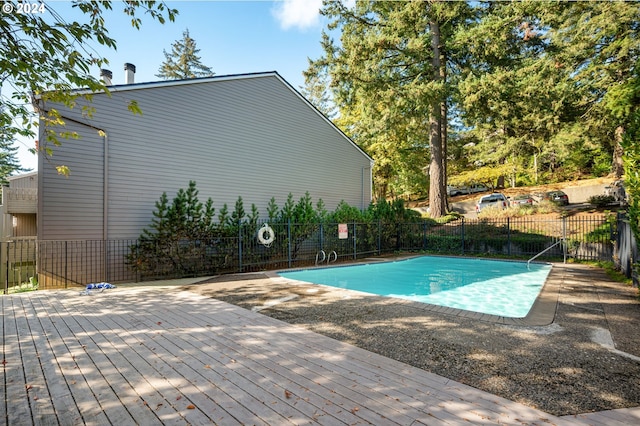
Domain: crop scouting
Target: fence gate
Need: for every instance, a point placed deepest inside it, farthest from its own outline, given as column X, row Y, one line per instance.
column 18, row 264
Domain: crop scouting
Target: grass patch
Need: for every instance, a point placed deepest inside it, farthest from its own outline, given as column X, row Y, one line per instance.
column 543, row 207
column 610, row 269
column 31, row 285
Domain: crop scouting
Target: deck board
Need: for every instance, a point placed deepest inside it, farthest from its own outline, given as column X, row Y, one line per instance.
column 67, row 351
column 161, row 356
column 627, row 416
column 112, row 367
column 14, row 370
column 53, row 389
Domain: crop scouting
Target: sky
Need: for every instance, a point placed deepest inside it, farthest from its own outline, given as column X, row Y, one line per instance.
column 234, row 37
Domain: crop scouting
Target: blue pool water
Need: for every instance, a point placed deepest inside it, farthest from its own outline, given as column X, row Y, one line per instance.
column 493, row 287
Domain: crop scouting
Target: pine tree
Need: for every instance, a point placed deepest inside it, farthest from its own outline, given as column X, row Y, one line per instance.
column 9, row 164
column 389, row 80
column 183, row 62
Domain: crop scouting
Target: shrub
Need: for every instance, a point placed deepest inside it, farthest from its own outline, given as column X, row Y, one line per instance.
column 185, row 237
column 601, row 200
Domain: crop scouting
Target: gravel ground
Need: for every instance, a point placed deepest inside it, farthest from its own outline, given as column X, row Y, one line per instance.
column 587, row 360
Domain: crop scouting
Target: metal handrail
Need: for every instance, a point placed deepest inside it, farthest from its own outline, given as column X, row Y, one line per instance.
column 324, row 256
column 560, row 241
column 335, row 257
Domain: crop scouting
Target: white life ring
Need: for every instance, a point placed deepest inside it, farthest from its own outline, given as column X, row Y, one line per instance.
column 266, row 236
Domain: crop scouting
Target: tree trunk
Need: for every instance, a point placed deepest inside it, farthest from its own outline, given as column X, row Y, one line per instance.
column 617, row 167
column 443, row 124
column 437, row 184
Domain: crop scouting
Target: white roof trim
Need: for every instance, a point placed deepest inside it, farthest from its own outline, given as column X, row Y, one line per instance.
column 170, row 83
column 24, row 175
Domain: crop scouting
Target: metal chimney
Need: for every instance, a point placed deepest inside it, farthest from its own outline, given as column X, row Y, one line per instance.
column 106, row 76
column 129, row 73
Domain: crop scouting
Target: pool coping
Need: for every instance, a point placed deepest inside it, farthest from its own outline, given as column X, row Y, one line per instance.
column 542, row 311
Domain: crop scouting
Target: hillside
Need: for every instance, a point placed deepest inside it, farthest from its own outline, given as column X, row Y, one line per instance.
column 578, row 191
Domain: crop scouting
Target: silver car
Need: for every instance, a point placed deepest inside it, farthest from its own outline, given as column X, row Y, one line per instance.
column 493, row 201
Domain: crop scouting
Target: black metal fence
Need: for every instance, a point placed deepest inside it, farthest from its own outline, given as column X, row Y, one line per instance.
column 66, row 263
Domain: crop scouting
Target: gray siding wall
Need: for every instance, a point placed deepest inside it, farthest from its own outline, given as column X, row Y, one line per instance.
column 71, row 207
column 27, row 180
column 252, row 137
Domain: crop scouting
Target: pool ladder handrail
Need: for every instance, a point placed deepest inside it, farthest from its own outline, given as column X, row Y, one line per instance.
column 560, row 241
column 325, row 257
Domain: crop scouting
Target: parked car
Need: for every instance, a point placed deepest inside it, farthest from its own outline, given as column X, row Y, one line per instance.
column 522, row 200
column 471, row 189
column 493, row 201
column 556, row 197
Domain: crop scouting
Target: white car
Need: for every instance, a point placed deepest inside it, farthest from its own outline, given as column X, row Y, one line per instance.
column 492, row 201
column 471, row 189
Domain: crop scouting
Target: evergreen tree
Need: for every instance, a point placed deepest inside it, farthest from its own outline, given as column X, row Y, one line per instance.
column 534, row 83
column 9, row 164
column 600, row 43
column 183, row 62
column 389, row 79
column 272, row 209
column 286, row 213
column 238, row 214
column 159, row 229
column 253, row 217
column 513, row 97
column 223, row 217
column 317, row 91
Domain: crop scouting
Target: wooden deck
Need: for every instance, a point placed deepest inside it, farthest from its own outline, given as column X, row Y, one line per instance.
column 154, row 355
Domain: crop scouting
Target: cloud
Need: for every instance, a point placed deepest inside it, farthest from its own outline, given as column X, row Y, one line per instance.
column 301, row 14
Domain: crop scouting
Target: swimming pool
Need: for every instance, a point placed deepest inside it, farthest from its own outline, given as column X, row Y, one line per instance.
column 495, row 287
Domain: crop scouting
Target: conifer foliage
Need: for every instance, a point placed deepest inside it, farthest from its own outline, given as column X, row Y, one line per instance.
column 9, row 164
column 185, row 238
column 513, row 89
column 183, row 62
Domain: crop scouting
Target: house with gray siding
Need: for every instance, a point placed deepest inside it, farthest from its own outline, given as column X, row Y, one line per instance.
column 249, row 135
column 18, row 232
column 19, row 207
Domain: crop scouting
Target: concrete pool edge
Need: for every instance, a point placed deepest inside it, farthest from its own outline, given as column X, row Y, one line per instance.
column 542, row 311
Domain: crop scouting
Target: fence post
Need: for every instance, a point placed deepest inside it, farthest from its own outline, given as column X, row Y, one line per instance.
column 321, row 236
column 424, row 235
column 4, row 255
column 138, row 274
column 66, row 264
column 508, row 236
column 564, row 240
column 629, row 258
column 289, row 242
column 105, row 261
column 462, row 236
column 379, row 239
column 355, row 242
column 239, row 245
